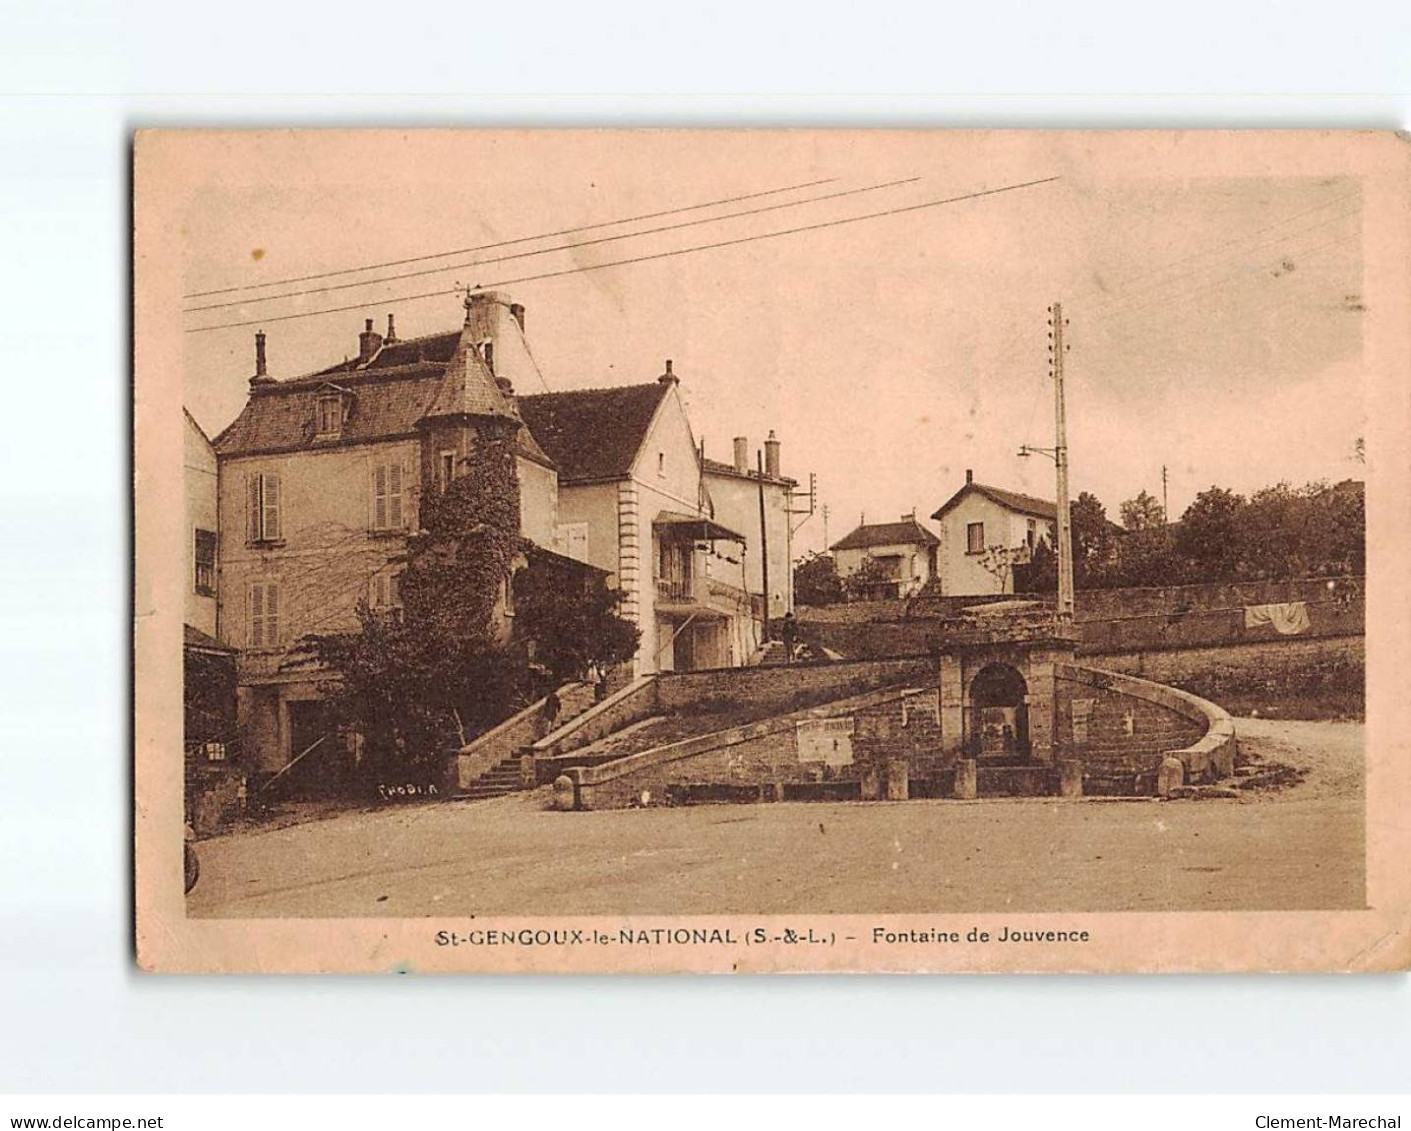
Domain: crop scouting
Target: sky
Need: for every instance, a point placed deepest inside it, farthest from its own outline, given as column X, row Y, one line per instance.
column 1214, row 295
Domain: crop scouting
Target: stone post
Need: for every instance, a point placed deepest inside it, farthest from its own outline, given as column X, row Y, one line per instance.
column 952, row 689
column 871, row 783
column 1171, row 776
column 563, row 793
column 1070, row 777
column 965, row 779
column 897, row 784
column 1041, row 706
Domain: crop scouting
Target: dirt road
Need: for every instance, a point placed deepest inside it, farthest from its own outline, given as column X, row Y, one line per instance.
column 1297, row 848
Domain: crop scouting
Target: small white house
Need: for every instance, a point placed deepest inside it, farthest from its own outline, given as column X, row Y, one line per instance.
column 979, row 518
column 905, row 551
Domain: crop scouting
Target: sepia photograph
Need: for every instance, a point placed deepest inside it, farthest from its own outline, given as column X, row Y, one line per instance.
column 770, row 550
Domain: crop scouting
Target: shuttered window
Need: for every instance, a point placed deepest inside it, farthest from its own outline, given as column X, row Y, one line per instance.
column 385, row 593
column 264, row 615
column 266, row 522
column 975, row 538
column 388, row 510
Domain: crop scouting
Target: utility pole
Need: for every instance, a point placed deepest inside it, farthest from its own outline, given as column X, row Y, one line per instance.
column 763, row 544
column 1060, row 453
column 825, row 528
column 1165, row 511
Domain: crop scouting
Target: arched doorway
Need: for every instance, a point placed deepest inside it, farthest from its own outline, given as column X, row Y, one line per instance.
column 999, row 714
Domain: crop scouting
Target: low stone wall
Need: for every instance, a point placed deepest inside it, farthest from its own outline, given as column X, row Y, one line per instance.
column 891, row 735
column 781, row 686
column 1123, row 728
column 636, row 701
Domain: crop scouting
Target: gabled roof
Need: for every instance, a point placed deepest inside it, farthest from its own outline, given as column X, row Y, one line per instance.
column 1010, row 500
column 404, row 383
column 908, row 532
column 593, row 434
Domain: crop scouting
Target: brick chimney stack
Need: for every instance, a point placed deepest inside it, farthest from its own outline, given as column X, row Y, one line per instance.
column 369, row 342
column 391, row 331
column 771, row 455
column 669, row 378
column 742, row 455
column 261, row 377
column 969, row 477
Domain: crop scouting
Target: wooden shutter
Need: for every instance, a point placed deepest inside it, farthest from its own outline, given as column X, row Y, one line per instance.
column 394, row 496
column 252, row 484
column 379, row 497
column 271, row 615
column 257, row 615
column 271, row 507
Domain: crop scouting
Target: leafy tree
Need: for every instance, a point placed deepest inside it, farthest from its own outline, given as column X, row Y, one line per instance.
column 570, row 621
column 864, row 581
column 1146, row 558
column 1094, row 550
column 1142, row 512
column 1208, row 535
column 1040, row 573
column 816, row 581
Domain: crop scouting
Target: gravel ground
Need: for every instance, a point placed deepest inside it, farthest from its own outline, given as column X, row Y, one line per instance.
column 1296, row 848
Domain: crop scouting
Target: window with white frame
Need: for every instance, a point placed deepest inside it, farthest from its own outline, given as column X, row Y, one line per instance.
column 975, row 538
column 264, row 615
column 266, row 518
column 330, row 416
column 388, row 507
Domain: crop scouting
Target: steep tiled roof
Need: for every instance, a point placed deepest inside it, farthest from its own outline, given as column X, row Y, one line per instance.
column 405, row 382
column 1012, row 500
column 593, row 433
column 908, row 532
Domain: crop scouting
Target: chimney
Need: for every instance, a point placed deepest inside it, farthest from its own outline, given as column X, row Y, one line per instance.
column 742, row 455
column 669, row 378
column 517, row 313
column 771, row 455
column 369, row 341
column 391, row 332
column 261, row 376
column 969, row 477
column 506, row 387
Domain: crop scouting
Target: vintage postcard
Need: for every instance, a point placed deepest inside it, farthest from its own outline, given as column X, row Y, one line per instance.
column 708, row 551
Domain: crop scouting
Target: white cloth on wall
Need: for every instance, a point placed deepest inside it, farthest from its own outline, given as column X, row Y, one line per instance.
column 1288, row 619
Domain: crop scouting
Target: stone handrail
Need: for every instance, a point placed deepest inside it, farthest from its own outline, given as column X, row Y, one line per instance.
column 636, row 700
column 482, row 754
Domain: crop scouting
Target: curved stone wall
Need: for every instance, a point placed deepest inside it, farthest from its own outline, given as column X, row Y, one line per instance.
column 1153, row 722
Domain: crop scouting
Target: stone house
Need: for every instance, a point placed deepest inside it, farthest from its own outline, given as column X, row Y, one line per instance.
column 905, row 551
column 319, row 483
column 636, row 501
column 979, row 518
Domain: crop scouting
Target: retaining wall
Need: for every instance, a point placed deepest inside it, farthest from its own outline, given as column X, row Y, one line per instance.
column 483, row 754
column 1130, row 726
column 761, row 761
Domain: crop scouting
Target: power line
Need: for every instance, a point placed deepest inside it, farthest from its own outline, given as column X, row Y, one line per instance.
column 549, row 250
column 509, row 243
column 441, row 293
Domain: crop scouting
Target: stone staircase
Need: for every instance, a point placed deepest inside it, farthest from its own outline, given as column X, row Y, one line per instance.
column 507, row 775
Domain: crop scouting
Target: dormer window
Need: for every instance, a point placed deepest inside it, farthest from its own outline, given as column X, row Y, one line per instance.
column 330, row 416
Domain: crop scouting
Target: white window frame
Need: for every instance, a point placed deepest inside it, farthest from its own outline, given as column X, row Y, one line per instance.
column 265, row 507
column 262, row 624
column 329, row 404
column 388, row 503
